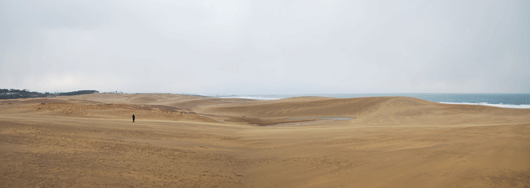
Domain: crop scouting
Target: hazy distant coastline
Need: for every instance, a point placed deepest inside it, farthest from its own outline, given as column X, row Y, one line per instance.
column 24, row 93
column 503, row 100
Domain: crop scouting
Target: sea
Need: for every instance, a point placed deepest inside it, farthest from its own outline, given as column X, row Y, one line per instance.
column 503, row 100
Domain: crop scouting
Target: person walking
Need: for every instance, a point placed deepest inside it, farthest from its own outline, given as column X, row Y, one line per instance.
column 133, row 118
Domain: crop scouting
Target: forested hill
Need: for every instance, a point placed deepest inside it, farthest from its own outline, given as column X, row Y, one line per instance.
column 16, row 93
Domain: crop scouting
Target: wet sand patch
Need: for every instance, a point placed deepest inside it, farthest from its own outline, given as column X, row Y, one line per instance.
column 312, row 121
column 325, row 118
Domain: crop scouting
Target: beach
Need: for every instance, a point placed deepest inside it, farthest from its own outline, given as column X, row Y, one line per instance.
column 196, row 141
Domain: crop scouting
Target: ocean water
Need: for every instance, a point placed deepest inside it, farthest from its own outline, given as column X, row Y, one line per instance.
column 504, row 100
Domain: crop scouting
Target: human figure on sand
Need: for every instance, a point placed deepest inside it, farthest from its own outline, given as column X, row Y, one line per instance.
column 133, row 118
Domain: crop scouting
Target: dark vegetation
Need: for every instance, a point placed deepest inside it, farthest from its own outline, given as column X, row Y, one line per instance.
column 80, row 92
column 16, row 93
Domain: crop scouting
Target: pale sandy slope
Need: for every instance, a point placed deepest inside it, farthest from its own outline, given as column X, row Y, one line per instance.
column 191, row 141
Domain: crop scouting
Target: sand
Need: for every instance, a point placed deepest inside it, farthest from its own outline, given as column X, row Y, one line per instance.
column 192, row 141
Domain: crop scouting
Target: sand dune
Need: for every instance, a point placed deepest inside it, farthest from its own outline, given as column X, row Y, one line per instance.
column 380, row 111
column 194, row 141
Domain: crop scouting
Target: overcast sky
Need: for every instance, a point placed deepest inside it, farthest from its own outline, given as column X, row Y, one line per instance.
column 266, row 46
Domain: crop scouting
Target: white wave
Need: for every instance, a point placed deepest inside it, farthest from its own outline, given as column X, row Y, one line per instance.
column 253, row 98
column 494, row 105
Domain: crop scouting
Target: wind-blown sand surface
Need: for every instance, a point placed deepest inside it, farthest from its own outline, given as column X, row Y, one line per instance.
column 191, row 141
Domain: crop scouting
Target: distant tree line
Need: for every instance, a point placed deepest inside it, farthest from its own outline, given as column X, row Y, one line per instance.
column 80, row 92
column 17, row 93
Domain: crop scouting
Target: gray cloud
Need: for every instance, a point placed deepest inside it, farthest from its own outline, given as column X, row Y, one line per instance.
column 265, row 47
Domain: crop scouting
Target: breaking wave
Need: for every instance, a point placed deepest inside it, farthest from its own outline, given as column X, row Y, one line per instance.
column 522, row 106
